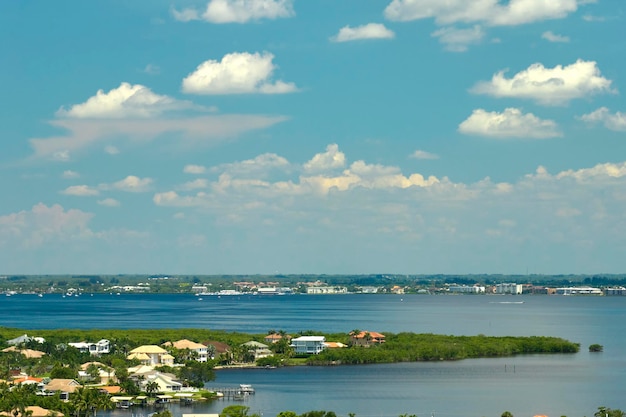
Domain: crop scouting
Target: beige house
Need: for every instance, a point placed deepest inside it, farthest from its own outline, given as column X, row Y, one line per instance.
column 151, row 355
column 64, row 387
column 35, row 411
column 198, row 348
column 29, row 353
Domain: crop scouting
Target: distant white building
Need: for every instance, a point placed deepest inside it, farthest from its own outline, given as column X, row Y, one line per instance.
column 309, row 344
column 509, row 288
column 327, row 290
column 467, row 289
column 578, row 291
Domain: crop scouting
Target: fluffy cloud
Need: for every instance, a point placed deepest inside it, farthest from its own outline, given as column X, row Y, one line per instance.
column 368, row 31
column 552, row 37
column 511, row 123
column 333, row 158
column 238, row 11
column 237, row 73
column 194, row 169
column 131, row 184
column 43, row 224
column 109, row 202
column 419, row 154
column 69, row 174
column 615, row 121
column 80, row 190
column 600, row 172
column 457, row 40
column 196, row 184
column 83, row 133
column 258, row 166
column 490, row 12
column 548, row 86
column 111, row 150
column 125, row 101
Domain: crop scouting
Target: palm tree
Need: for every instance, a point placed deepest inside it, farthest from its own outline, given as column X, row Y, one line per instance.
column 152, row 387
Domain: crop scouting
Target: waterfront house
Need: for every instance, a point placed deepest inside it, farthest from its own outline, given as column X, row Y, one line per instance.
column 366, row 339
column 166, row 382
column 200, row 350
column 308, row 344
column 259, row 350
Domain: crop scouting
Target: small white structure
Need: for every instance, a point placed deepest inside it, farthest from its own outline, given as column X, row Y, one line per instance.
column 579, row 291
column 467, row 289
column 327, row 290
column 309, row 344
column 98, row 348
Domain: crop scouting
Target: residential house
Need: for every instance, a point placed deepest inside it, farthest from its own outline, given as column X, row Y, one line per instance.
column 34, row 411
column 366, row 339
column 64, row 387
column 24, row 339
column 276, row 337
column 98, row 348
column 28, row 353
column 165, row 381
column 151, row 355
column 259, row 350
column 308, row 344
column 199, row 349
column 335, row 345
column 106, row 374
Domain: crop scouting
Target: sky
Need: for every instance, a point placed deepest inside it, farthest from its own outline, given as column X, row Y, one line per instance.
column 313, row 136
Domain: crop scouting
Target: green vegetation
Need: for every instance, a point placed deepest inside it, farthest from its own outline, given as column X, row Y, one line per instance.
column 596, row 348
column 410, row 347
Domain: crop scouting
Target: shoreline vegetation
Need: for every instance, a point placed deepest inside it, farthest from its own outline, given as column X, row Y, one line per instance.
column 399, row 347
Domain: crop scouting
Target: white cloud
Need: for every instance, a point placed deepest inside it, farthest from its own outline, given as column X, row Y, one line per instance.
column 237, row 73
column 80, row 190
column 83, row 133
column 420, row 154
column 111, row 150
column 553, row 37
column 69, row 174
column 238, row 11
column 511, row 123
column 257, row 167
column 152, row 69
column 600, row 172
column 43, row 224
column 194, row 169
column 109, row 202
column 368, row 31
column 490, row 12
column 131, row 184
column 615, row 121
column 333, row 158
column 196, row 184
column 124, row 102
column 548, row 86
column 457, row 40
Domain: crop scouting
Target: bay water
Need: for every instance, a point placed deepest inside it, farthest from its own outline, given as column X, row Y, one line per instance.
column 573, row 385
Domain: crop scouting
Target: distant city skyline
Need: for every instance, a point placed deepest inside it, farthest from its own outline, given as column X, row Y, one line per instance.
column 325, row 137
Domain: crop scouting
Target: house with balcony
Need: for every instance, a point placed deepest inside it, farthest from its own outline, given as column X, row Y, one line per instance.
column 151, row 355
column 308, row 344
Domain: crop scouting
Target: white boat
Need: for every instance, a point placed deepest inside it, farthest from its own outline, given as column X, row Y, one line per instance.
column 246, row 389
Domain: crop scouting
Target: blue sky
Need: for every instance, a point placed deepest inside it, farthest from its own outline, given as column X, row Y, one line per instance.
column 326, row 136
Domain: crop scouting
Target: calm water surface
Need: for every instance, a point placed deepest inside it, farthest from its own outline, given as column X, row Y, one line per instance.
column 572, row 385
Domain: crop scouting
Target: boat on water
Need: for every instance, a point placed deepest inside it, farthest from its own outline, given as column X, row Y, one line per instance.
column 246, row 389
column 220, row 293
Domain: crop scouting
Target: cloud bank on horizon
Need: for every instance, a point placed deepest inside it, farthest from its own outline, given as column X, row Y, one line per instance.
column 265, row 136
